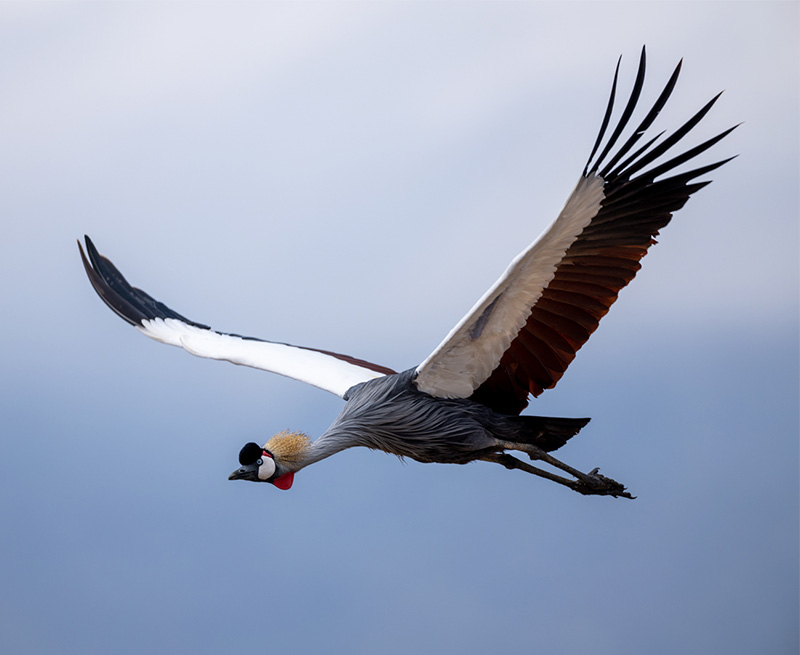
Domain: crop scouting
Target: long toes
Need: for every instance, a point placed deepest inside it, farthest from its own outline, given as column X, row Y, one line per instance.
column 594, row 483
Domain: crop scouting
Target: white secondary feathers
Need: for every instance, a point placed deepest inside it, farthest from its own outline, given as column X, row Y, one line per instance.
column 473, row 349
column 310, row 366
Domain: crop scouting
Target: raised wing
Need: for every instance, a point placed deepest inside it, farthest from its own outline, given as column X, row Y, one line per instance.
column 327, row 370
column 524, row 332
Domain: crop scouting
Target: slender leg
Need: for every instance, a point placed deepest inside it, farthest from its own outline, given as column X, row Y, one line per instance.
column 511, row 462
column 591, row 483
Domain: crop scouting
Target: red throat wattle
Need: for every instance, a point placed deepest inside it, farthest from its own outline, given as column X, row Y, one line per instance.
column 284, row 482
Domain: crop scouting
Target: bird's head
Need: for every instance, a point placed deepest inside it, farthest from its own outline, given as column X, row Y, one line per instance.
column 275, row 462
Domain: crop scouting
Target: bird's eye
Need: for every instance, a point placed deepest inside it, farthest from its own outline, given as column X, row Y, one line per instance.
column 260, row 462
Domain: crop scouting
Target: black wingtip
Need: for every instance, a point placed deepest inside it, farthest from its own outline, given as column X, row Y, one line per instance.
column 104, row 285
column 606, row 117
column 89, row 244
column 129, row 303
column 630, row 106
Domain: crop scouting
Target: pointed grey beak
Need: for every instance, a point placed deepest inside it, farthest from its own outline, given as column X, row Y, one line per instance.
column 238, row 474
column 249, row 472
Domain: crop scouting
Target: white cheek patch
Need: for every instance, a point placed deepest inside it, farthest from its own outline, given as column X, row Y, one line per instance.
column 267, row 468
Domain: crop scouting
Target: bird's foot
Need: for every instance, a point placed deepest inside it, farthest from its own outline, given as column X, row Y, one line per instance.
column 594, row 484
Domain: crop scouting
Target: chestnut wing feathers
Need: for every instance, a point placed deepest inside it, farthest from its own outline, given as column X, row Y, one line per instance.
column 528, row 352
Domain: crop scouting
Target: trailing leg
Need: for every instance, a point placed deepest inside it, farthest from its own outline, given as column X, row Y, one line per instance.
column 588, row 484
column 511, row 462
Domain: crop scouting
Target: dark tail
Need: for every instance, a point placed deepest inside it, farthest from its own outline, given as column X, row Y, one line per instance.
column 547, row 432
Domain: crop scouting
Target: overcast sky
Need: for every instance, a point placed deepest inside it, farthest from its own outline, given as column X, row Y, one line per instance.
column 353, row 176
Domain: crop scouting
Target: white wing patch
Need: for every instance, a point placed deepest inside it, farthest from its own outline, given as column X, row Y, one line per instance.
column 310, row 366
column 474, row 347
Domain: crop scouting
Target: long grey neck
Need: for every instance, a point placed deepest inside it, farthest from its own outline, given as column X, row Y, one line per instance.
column 369, row 419
column 329, row 443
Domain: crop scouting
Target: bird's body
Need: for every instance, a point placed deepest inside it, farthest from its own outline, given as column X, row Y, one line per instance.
column 391, row 414
column 463, row 402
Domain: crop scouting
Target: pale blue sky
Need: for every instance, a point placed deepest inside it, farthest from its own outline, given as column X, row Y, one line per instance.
column 353, row 176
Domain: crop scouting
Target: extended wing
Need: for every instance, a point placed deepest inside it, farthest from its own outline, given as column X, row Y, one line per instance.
column 330, row 371
column 524, row 332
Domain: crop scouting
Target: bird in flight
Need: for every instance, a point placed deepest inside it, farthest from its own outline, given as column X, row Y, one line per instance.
column 464, row 402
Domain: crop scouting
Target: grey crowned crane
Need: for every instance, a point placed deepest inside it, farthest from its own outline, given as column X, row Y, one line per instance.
column 463, row 403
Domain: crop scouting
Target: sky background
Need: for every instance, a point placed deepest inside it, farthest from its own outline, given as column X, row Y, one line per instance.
column 353, row 176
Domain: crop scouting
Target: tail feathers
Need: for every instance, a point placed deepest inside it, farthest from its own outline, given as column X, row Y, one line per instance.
column 549, row 433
